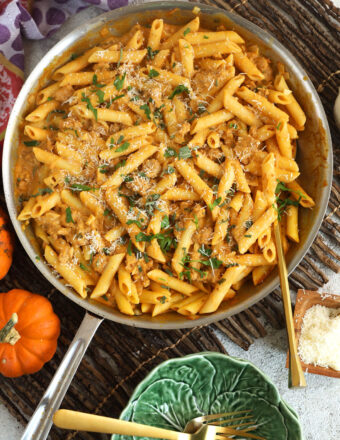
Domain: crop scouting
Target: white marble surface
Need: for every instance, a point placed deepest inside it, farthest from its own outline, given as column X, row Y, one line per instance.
column 318, row 405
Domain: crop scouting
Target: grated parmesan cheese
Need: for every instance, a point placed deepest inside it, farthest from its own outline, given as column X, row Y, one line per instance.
column 319, row 343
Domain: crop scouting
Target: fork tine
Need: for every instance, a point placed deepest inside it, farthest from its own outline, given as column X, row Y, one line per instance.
column 239, row 432
column 221, row 415
column 221, row 422
column 238, row 425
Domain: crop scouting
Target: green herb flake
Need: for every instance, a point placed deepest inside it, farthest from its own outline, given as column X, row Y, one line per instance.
column 184, row 153
column 135, row 222
column 42, row 191
column 146, row 109
column 120, row 57
column 83, row 267
column 129, row 248
column 80, row 187
column 278, row 125
column 117, row 97
column 162, row 300
column 205, row 37
column 31, row 143
column 100, row 94
column 95, row 81
column 119, row 82
column 89, row 106
column 181, row 88
column 122, row 147
column 151, row 53
column 196, row 221
column 69, row 218
column 170, row 152
column 215, row 203
column 187, row 30
column 165, row 223
column 153, row 73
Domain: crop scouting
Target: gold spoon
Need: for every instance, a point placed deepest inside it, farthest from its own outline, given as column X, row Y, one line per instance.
column 296, row 377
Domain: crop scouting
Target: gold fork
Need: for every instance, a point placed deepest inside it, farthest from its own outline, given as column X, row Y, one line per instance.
column 296, row 378
column 79, row 421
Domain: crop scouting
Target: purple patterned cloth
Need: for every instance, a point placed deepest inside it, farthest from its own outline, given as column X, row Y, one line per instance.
column 45, row 18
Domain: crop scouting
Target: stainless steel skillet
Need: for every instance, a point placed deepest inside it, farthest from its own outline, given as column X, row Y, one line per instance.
column 315, row 160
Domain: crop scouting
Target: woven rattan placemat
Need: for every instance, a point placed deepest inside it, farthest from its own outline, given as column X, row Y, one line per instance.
column 110, row 370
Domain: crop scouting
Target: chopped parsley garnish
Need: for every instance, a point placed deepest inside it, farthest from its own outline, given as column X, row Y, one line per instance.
column 215, row 203
column 120, row 56
column 129, row 248
column 151, row 202
column 31, row 143
column 165, row 223
column 146, row 109
column 205, row 37
column 184, row 152
column 100, row 94
column 74, row 56
column 278, row 125
column 153, row 73
column 103, row 169
column 141, row 236
column 80, row 187
column 42, row 191
column 187, row 30
column 107, row 212
column 281, row 204
column 106, row 251
column 181, row 88
column 89, row 106
column 196, row 221
column 119, row 82
column 95, row 82
column 206, row 252
column 135, row 222
column 169, row 170
column 83, row 267
column 122, row 147
column 214, row 263
column 170, row 152
column 67, row 179
column 69, row 218
column 120, row 164
column 162, row 300
column 117, row 97
column 151, row 53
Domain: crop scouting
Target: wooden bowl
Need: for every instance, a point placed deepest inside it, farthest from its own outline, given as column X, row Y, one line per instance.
column 306, row 299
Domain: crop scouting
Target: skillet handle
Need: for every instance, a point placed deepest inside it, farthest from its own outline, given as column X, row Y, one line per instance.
column 40, row 424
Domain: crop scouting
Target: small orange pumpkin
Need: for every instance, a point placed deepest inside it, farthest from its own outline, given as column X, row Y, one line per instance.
column 29, row 330
column 6, row 245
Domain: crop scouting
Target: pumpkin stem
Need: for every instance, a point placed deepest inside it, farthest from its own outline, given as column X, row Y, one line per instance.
column 8, row 334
